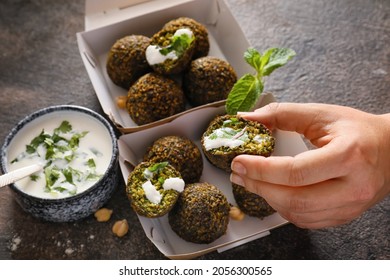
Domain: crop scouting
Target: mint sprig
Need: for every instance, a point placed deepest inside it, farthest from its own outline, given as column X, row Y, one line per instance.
column 247, row 90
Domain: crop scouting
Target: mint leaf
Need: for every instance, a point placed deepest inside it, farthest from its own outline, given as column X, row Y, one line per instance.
column 247, row 90
column 244, row 94
column 276, row 58
column 253, row 58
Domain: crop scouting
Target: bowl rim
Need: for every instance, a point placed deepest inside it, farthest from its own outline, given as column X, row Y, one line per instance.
column 52, row 109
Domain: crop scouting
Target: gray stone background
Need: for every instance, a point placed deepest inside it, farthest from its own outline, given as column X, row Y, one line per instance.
column 343, row 57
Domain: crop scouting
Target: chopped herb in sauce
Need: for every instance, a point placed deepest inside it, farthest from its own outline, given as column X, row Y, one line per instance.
column 59, row 151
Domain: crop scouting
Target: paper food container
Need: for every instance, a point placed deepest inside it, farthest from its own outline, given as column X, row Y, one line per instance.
column 108, row 21
column 132, row 147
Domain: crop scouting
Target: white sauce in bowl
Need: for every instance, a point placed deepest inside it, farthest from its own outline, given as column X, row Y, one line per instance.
column 91, row 157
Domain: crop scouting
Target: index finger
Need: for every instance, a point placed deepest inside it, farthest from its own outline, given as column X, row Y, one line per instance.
column 306, row 168
column 309, row 119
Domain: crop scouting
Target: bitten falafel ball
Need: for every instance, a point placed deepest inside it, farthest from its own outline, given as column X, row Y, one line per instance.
column 202, row 44
column 229, row 135
column 126, row 60
column 153, row 188
column 251, row 203
column 207, row 80
column 154, row 97
column 181, row 153
column 170, row 50
column 201, row 214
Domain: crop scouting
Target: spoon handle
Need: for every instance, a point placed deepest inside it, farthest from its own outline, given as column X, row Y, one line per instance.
column 18, row 174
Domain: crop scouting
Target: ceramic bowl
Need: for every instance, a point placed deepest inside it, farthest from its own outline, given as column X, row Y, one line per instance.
column 84, row 202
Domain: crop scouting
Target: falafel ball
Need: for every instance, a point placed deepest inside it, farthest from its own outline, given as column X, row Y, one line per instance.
column 229, row 135
column 154, row 97
column 170, row 50
column 153, row 188
column 251, row 203
column 202, row 44
column 201, row 214
column 126, row 60
column 181, row 153
column 207, row 80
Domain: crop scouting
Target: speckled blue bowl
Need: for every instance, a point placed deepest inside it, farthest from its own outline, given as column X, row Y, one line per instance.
column 75, row 207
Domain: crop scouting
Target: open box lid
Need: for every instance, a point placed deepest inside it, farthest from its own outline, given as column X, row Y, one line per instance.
column 99, row 13
column 107, row 21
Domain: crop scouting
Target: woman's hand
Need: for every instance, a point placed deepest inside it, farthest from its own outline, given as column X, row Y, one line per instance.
column 348, row 173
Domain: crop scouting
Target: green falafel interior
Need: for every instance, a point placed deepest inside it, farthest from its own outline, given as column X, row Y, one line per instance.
column 153, row 188
column 247, row 90
column 153, row 171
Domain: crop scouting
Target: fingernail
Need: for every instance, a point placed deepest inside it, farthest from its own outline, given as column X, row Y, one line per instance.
column 238, row 168
column 234, row 178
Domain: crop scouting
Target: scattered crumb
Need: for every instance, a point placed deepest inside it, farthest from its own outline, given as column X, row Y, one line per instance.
column 69, row 251
column 15, row 242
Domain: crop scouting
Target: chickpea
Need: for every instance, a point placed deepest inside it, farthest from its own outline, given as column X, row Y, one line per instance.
column 236, row 214
column 121, row 102
column 103, row 214
column 120, row 228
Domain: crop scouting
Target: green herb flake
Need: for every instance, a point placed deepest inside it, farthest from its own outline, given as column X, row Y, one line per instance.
column 75, row 140
column 161, row 180
column 51, row 176
column 179, row 44
column 34, row 177
column 247, row 90
column 68, row 173
column 158, row 166
column 38, row 140
column 64, row 127
column 91, row 163
column 93, row 176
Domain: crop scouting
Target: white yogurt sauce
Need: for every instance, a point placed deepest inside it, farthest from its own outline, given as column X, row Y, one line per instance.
column 261, row 139
column 151, row 193
column 94, row 148
column 154, row 196
column 153, row 54
column 225, row 137
column 174, row 184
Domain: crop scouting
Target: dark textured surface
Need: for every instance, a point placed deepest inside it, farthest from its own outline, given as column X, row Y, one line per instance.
column 343, row 57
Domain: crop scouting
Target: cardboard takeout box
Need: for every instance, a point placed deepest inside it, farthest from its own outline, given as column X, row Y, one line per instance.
column 132, row 147
column 107, row 21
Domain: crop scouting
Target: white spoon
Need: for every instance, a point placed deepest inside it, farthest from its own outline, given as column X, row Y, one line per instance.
column 15, row 175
